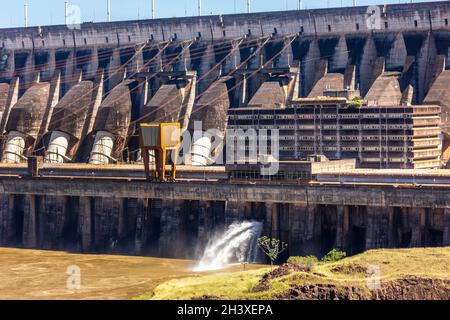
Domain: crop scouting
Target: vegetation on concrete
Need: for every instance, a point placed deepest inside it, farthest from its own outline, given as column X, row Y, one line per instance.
column 357, row 102
column 404, row 274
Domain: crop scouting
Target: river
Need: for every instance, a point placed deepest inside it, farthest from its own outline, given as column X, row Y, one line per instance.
column 50, row 275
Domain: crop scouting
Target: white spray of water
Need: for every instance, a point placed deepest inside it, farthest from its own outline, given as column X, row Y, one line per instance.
column 239, row 243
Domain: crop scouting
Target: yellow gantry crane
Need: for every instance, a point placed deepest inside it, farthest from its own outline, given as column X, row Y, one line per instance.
column 160, row 138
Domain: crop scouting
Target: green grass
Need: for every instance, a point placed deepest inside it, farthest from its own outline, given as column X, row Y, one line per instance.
column 429, row 263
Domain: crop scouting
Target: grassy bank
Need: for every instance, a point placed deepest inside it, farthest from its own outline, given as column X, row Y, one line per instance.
column 404, row 274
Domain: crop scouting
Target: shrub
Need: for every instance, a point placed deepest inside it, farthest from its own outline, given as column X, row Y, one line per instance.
column 306, row 262
column 334, row 255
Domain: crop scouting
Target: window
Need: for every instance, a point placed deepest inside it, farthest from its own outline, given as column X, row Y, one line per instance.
column 329, row 28
column 446, row 22
column 357, row 26
column 386, row 25
column 415, row 23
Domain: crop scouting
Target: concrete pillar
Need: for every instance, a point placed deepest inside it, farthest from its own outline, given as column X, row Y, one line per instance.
column 135, row 64
column 49, row 69
column 29, row 237
column 234, row 211
column 309, row 68
column 392, row 230
column 97, row 96
column 233, row 60
column 285, row 58
column 9, row 224
column 69, row 71
column 8, row 72
column 115, row 73
column 172, row 242
column 86, row 223
column 268, row 222
column 106, row 223
column 52, row 102
column 205, row 70
column 377, row 227
column 275, row 221
column 93, row 63
column 13, row 96
column 446, row 240
column 143, row 92
column 426, row 64
column 28, row 74
column 205, row 224
column 340, row 57
column 142, row 224
column 342, row 228
column 397, row 54
column 417, row 220
column 366, row 66
column 6, row 215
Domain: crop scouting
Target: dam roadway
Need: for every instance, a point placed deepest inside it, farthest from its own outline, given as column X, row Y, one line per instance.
column 314, row 193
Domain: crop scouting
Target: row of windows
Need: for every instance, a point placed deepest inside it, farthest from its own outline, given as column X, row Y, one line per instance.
column 281, row 175
column 320, row 116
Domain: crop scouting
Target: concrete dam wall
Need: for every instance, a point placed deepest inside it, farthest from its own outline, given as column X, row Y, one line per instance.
column 176, row 220
column 76, row 96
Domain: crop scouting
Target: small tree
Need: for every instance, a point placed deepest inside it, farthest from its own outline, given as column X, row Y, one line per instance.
column 272, row 248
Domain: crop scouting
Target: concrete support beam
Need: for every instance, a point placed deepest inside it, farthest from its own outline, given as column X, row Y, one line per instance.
column 206, row 225
column 367, row 65
column 417, row 223
column 172, row 233
column 142, row 224
column 53, row 99
column 27, row 73
column 13, row 96
column 342, row 227
column 340, row 57
column 446, row 238
column 205, row 70
column 48, row 69
column 9, row 70
column 309, row 68
column 396, row 57
column 30, row 230
column 115, row 72
column 233, row 60
column 85, row 221
column 377, row 227
column 96, row 101
column 427, row 69
column 7, row 226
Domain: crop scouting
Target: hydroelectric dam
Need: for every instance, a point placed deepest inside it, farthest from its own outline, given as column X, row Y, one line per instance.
column 359, row 97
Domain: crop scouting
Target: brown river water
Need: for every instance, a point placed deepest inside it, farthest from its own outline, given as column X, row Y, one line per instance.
column 50, row 275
